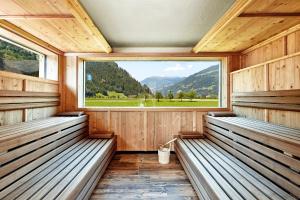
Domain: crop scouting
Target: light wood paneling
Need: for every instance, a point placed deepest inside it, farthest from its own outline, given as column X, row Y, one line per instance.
column 287, row 118
column 254, row 113
column 17, row 107
column 65, row 33
column 234, row 33
column 280, row 60
column 144, row 130
column 249, row 80
column 285, row 74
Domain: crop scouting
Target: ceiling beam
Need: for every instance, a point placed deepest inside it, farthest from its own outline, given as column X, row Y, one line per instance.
column 84, row 19
column 234, row 11
column 49, row 16
column 297, row 14
column 28, row 36
column 153, row 56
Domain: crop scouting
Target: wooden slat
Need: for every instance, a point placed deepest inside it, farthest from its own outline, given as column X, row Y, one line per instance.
column 294, row 189
column 28, row 16
column 7, row 107
column 273, row 165
column 273, row 106
column 9, row 179
column 11, row 155
column 10, row 167
column 277, row 100
column 73, row 188
column 56, row 176
column 24, row 137
column 273, row 140
column 261, row 181
column 211, row 187
column 11, row 93
column 273, row 14
column 25, row 100
column 23, row 183
column 277, row 93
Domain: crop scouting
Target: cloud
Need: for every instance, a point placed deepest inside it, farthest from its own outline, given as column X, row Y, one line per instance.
column 190, row 66
column 176, row 68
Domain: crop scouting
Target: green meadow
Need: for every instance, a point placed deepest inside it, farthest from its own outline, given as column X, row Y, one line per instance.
column 134, row 102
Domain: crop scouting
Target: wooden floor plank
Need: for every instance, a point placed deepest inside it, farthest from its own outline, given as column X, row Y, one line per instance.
column 140, row 176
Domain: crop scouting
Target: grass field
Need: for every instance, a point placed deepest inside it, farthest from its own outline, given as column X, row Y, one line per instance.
column 93, row 102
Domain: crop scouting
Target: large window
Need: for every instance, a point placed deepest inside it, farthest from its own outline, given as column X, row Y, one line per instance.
column 152, row 84
column 18, row 59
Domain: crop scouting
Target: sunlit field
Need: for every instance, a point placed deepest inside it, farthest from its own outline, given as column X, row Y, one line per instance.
column 94, row 102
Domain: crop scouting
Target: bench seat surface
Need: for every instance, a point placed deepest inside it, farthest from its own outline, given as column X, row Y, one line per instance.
column 216, row 174
column 51, row 158
column 59, row 176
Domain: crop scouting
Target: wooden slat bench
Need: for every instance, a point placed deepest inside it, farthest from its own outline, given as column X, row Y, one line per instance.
column 243, row 159
column 51, row 159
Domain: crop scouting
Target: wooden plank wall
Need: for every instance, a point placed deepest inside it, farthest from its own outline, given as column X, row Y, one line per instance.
column 15, row 82
column 145, row 130
column 136, row 129
column 269, row 67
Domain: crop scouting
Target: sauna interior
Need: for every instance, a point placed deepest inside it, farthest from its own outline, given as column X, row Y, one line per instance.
column 78, row 122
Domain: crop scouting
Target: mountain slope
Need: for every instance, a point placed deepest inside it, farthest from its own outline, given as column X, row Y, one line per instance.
column 102, row 77
column 205, row 82
column 156, row 83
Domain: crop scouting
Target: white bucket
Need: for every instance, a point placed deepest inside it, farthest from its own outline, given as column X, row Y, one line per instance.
column 164, row 155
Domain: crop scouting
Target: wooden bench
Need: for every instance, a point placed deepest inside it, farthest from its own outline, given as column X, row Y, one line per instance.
column 243, row 159
column 51, row 159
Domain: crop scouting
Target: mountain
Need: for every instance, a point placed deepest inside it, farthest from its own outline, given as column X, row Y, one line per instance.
column 156, row 83
column 205, row 82
column 102, row 77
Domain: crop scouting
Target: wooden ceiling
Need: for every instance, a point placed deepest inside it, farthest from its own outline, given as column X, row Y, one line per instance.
column 250, row 22
column 64, row 25
column 58, row 22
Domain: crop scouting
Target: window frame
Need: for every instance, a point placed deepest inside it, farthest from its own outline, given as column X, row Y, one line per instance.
column 223, row 94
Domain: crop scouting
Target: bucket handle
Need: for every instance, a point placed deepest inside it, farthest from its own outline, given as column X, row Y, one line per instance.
column 168, row 143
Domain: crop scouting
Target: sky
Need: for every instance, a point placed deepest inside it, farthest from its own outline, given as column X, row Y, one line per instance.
column 144, row 69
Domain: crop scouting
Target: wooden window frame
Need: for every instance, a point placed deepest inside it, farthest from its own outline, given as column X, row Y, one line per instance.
column 224, row 86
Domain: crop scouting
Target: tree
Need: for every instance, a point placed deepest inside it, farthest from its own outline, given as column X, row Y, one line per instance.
column 1, row 60
column 170, row 95
column 180, row 95
column 158, row 96
column 192, row 94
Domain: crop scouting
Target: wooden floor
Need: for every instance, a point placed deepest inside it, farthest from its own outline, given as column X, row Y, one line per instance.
column 140, row 176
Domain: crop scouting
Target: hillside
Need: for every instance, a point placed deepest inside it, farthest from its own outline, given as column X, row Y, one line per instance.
column 156, row 83
column 205, row 82
column 102, row 77
column 18, row 60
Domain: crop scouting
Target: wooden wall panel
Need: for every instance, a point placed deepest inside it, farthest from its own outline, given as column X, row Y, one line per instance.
column 249, row 80
column 284, row 74
column 16, row 82
column 253, row 113
column 39, row 113
column 274, row 49
column 286, row 118
column 271, row 66
column 11, row 117
column 293, row 41
column 144, row 130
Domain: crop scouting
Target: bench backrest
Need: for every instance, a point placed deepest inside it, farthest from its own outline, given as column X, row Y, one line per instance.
column 274, row 156
column 25, row 146
column 278, row 100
